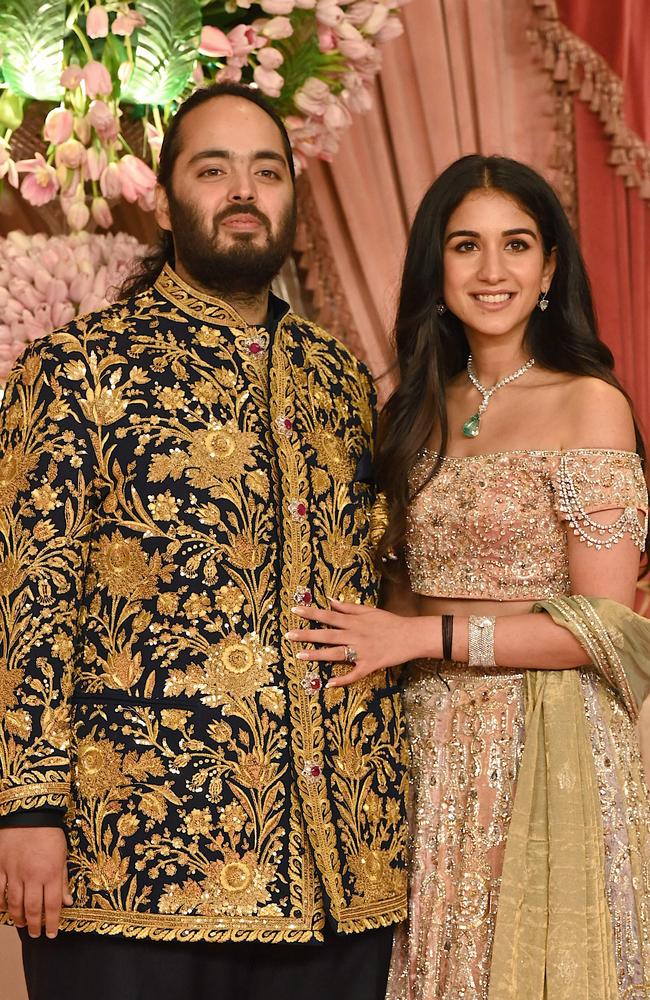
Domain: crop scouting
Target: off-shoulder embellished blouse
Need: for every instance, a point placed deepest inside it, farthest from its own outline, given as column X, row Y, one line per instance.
column 494, row 527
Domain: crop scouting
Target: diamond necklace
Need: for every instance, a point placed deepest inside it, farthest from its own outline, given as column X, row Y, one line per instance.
column 472, row 426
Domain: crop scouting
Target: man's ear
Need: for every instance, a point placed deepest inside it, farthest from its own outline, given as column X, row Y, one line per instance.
column 161, row 208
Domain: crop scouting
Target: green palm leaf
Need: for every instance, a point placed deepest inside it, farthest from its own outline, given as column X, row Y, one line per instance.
column 31, row 42
column 166, row 51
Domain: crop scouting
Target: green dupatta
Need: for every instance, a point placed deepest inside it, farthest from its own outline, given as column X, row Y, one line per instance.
column 553, row 936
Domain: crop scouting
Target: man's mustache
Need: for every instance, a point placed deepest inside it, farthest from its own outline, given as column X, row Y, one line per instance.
column 229, row 213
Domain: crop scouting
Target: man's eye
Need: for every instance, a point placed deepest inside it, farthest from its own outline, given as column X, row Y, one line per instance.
column 211, row 172
column 267, row 172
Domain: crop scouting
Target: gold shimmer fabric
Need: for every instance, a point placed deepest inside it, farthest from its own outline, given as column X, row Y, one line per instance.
column 529, row 815
column 493, row 526
column 172, row 483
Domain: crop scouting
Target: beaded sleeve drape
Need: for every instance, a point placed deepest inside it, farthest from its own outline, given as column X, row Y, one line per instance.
column 495, row 527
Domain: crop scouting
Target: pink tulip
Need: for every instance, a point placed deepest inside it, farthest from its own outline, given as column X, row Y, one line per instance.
column 125, row 24
column 62, row 313
column 58, row 126
column 326, row 38
column 22, row 268
column 110, row 181
column 97, row 22
column 277, row 27
column 305, row 4
column 97, row 79
column 277, row 6
column 270, row 58
column 136, row 177
column 229, row 74
column 25, row 294
column 103, row 121
column 90, row 303
column 214, row 43
column 269, row 81
column 376, row 20
column 355, row 48
column 329, row 13
column 392, row 29
column 337, row 116
column 57, row 293
column 43, row 316
column 198, row 76
column 154, row 138
column 77, row 215
column 95, row 163
column 82, row 128
column 70, row 154
column 147, row 200
column 42, row 279
column 7, row 166
column 68, row 179
column 41, row 183
column 71, row 77
column 244, row 39
column 359, row 12
column 80, row 286
column 101, row 213
column 313, row 97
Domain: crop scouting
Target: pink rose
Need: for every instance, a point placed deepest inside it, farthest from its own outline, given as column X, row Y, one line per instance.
column 71, row 77
column 125, row 24
column 101, row 213
column 41, row 183
column 214, row 43
column 136, row 177
column 269, row 81
column 97, row 22
column 103, row 121
column 97, row 79
column 58, row 126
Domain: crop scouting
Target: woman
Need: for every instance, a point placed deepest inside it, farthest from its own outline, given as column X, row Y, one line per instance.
column 513, row 470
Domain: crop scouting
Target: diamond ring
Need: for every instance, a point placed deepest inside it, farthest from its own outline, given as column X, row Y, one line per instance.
column 350, row 655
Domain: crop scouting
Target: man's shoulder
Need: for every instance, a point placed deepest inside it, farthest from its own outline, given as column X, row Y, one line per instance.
column 349, row 361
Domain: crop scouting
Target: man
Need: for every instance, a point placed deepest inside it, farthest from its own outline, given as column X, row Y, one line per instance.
column 177, row 473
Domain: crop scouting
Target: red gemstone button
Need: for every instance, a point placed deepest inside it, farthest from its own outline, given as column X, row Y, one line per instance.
column 315, row 683
column 315, row 771
column 255, row 348
column 301, row 509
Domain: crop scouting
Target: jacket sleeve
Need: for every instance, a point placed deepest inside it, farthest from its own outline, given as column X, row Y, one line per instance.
column 46, row 482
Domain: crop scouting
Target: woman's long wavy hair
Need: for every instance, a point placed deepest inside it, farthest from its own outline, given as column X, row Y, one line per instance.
column 431, row 348
column 147, row 268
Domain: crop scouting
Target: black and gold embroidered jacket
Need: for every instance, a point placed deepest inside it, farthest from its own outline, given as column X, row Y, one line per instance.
column 172, row 483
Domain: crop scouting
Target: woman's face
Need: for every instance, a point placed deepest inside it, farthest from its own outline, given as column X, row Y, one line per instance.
column 494, row 265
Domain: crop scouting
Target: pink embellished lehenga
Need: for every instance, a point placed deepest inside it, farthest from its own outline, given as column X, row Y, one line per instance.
column 494, row 527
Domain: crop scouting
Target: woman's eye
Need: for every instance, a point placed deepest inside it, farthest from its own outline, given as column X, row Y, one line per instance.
column 466, row 246
column 517, row 245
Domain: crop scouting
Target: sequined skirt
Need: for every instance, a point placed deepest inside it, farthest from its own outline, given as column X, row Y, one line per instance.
column 467, row 731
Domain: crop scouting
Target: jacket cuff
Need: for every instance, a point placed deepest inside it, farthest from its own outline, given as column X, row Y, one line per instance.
column 33, row 817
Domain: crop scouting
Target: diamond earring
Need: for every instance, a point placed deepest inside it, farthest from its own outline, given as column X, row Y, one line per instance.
column 441, row 308
column 543, row 301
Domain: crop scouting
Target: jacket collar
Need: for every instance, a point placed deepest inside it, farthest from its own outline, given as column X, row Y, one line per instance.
column 209, row 308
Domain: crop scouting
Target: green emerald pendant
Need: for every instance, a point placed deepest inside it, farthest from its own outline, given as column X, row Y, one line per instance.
column 472, row 426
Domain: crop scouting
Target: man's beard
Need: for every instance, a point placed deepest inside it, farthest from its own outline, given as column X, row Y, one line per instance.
column 241, row 267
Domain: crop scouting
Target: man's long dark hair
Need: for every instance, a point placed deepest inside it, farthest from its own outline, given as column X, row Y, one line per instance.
column 431, row 348
column 147, row 268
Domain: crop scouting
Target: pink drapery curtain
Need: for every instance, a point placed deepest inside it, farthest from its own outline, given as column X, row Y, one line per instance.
column 460, row 80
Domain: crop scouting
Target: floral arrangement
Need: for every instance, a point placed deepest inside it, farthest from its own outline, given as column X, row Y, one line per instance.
column 102, row 68
column 45, row 281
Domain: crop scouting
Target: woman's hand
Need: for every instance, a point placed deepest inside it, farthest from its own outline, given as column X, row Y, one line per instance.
column 378, row 639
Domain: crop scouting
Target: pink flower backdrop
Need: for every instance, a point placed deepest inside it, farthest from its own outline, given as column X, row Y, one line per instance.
column 92, row 86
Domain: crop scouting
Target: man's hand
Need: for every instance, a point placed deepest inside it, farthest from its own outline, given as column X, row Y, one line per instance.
column 34, row 877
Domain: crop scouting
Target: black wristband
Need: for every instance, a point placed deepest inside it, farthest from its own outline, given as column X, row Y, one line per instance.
column 447, row 637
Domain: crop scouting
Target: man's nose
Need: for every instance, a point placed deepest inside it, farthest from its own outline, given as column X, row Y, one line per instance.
column 242, row 188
